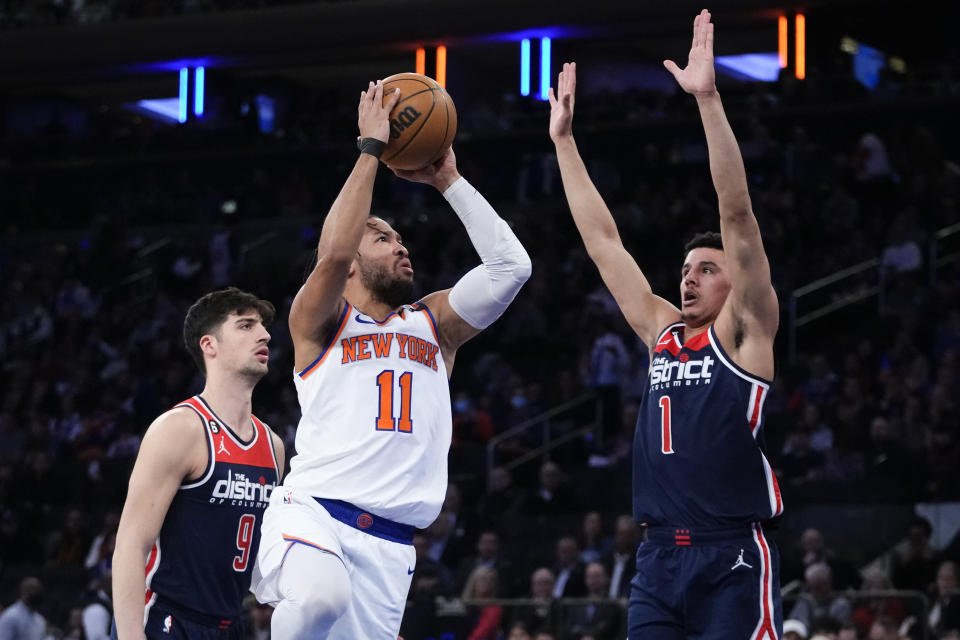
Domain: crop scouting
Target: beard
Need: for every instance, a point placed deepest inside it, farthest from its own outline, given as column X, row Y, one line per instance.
column 389, row 289
column 253, row 373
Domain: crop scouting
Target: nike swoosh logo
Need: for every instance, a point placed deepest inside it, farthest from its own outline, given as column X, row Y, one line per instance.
column 359, row 319
column 409, row 571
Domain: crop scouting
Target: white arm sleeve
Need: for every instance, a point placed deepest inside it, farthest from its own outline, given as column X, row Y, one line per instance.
column 483, row 294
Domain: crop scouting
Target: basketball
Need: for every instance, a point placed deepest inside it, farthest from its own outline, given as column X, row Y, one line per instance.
column 423, row 123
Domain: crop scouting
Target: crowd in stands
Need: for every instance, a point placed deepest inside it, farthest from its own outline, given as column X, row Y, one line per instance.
column 99, row 263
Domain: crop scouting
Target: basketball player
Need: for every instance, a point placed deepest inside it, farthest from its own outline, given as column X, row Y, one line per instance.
column 372, row 379
column 701, row 481
column 199, row 487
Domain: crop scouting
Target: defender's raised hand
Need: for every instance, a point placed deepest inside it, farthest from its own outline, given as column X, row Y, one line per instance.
column 561, row 103
column 698, row 78
column 373, row 114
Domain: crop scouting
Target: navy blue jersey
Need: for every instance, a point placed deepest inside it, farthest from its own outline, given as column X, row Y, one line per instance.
column 208, row 543
column 698, row 450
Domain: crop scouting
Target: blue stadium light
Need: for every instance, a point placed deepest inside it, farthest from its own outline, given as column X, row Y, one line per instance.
column 166, row 110
column 525, row 67
column 544, row 67
column 198, row 81
column 764, row 67
column 184, row 85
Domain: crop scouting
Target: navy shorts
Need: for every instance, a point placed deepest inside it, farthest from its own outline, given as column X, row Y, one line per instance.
column 169, row 622
column 716, row 584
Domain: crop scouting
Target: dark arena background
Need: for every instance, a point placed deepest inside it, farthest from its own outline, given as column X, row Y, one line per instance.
column 152, row 151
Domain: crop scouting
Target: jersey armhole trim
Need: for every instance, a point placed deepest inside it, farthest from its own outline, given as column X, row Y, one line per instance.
column 341, row 323
column 269, row 438
column 730, row 364
column 211, row 458
column 422, row 306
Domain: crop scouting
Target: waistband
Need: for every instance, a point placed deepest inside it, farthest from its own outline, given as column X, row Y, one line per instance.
column 689, row 537
column 365, row 521
column 197, row 617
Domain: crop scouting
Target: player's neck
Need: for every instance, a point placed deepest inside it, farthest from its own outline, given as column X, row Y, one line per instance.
column 369, row 306
column 232, row 401
column 693, row 329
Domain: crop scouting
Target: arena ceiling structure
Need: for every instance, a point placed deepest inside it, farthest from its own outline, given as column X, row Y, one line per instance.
column 324, row 42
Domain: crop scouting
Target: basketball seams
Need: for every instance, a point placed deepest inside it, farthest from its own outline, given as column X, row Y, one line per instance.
column 427, row 126
column 446, row 129
column 413, row 136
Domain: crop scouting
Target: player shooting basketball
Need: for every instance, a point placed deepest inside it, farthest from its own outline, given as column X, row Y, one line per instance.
column 701, row 481
column 372, row 379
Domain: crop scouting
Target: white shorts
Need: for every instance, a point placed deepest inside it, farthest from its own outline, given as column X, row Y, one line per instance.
column 380, row 570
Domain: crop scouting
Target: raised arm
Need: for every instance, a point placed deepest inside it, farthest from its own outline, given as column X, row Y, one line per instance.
column 172, row 449
column 646, row 312
column 320, row 299
column 752, row 301
column 483, row 294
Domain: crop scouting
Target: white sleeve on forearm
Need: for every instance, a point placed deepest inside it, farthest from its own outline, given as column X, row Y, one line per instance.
column 483, row 294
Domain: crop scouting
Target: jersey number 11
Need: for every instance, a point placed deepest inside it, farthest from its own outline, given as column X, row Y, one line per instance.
column 385, row 420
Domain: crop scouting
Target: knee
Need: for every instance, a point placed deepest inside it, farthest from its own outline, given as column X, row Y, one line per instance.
column 323, row 606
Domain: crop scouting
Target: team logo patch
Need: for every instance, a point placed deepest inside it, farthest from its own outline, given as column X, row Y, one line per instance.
column 167, row 624
column 683, row 357
column 364, row 521
column 288, row 497
column 214, row 426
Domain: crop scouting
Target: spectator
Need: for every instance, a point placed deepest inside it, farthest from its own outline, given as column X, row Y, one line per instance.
column 97, row 615
column 552, row 496
column 945, row 598
column 544, row 613
column 488, row 555
column 429, row 575
column 869, row 607
column 503, row 498
column 914, row 560
column 794, row 630
column 598, row 620
column 813, row 550
column 448, row 532
column 819, row 601
column 21, row 620
column 594, row 544
column 621, row 563
column 483, row 619
column 568, row 569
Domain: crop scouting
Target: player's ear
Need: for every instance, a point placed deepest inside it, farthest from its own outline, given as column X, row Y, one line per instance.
column 208, row 345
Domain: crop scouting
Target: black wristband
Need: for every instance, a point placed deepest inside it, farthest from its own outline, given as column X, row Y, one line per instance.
column 372, row 146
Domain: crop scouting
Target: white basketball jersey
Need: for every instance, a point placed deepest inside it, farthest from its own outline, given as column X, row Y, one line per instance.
column 375, row 426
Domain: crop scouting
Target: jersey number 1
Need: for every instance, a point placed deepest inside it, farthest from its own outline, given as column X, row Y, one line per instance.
column 385, row 420
column 667, row 435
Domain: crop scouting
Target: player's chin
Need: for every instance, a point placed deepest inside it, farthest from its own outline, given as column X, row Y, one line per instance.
column 256, row 370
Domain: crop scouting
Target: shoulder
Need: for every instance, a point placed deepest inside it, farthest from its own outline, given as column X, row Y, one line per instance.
column 177, row 421
column 174, row 432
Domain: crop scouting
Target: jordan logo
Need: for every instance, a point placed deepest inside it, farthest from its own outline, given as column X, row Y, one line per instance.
column 740, row 562
column 223, row 449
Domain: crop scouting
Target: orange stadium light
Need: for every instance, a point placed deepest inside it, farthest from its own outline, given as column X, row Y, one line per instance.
column 800, row 37
column 442, row 66
column 783, row 26
column 421, row 67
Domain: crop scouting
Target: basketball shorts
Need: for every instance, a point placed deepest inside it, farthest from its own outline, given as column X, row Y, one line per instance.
column 168, row 621
column 706, row 584
column 377, row 553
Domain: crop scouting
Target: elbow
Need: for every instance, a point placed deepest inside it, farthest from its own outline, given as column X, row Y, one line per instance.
column 523, row 268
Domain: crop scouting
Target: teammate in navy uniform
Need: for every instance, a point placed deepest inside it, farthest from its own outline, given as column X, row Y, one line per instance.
column 190, row 526
column 701, row 482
